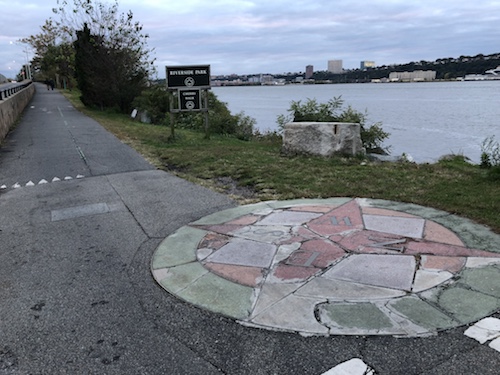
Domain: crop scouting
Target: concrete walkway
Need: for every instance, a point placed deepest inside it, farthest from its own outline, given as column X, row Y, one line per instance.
column 337, row 266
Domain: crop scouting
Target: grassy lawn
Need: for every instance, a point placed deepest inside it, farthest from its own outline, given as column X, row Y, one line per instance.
column 255, row 171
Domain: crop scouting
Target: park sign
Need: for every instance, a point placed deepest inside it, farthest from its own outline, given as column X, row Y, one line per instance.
column 188, row 77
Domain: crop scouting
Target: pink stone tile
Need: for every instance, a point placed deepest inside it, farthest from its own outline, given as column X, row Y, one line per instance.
column 450, row 264
column 317, row 253
column 286, row 272
column 213, row 241
column 433, row 248
column 438, row 233
column 336, row 238
column 306, row 233
column 344, row 218
column 244, row 220
column 385, row 212
column 370, row 242
column 249, row 276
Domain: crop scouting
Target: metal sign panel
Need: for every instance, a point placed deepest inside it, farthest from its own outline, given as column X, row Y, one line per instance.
column 192, row 76
column 189, row 100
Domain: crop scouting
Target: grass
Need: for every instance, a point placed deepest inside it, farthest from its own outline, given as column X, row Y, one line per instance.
column 256, row 170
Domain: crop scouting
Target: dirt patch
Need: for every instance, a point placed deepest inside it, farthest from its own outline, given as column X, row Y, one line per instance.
column 230, row 187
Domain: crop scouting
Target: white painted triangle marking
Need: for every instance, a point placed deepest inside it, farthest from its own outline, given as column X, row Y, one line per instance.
column 16, row 185
column 30, row 183
column 3, row 187
column 56, row 179
column 354, row 366
column 80, row 176
column 43, row 181
column 67, row 178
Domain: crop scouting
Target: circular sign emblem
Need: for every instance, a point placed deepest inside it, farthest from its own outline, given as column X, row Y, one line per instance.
column 189, row 81
column 190, row 105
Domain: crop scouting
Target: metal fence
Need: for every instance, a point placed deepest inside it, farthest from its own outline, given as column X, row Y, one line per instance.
column 12, row 88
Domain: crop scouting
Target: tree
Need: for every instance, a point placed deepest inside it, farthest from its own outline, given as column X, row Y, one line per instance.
column 53, row 52
column 112, row 63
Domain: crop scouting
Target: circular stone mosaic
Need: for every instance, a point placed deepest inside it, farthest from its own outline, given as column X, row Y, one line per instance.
column 335, row 266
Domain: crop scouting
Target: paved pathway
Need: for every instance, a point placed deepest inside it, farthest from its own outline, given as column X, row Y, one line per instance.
column 337, row 266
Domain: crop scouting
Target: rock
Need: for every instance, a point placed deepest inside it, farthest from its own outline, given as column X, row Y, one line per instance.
column 322, row 138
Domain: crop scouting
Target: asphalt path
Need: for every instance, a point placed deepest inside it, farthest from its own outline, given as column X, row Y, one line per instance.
column 76, row 291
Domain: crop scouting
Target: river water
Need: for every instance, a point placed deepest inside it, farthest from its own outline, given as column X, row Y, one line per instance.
column 425, row 120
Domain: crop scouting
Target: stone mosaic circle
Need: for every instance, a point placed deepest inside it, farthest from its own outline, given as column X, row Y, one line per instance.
column 335, row 266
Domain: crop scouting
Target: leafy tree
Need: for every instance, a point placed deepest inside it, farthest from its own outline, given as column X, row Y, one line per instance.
column 112, row 63
column 53, row 53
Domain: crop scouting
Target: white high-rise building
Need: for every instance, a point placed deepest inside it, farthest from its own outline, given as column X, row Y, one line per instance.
column 335, row 66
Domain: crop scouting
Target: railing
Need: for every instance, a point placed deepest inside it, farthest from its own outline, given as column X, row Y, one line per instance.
column 12, row 88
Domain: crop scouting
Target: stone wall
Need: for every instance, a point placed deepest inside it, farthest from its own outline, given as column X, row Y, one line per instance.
column 12, row 107
column 322, row 138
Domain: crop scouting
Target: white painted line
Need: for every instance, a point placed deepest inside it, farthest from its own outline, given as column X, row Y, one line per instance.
column 354, row 366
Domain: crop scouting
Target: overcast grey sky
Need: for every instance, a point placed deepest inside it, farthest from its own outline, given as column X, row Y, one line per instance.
column 276, row 36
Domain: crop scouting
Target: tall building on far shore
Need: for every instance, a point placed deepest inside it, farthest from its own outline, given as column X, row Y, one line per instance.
column 309, row 72
column 335, row 66
column 367, row 64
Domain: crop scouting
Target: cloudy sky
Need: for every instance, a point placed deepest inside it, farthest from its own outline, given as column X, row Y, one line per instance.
column 276, row 36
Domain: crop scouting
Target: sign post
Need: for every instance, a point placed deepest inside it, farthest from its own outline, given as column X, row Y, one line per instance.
column 188, row 82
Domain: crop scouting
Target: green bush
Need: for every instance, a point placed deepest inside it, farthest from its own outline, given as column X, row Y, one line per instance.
column 372, row 137
column 490, row 153
column 156, row 101
column 490, row 157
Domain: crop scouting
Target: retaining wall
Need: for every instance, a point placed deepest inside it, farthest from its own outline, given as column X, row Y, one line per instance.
column 12, row 107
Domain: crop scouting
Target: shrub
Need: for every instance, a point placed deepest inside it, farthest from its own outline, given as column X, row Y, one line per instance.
column 490, row 153
column 490, row 157
column 333, row 111
column 156, row 100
